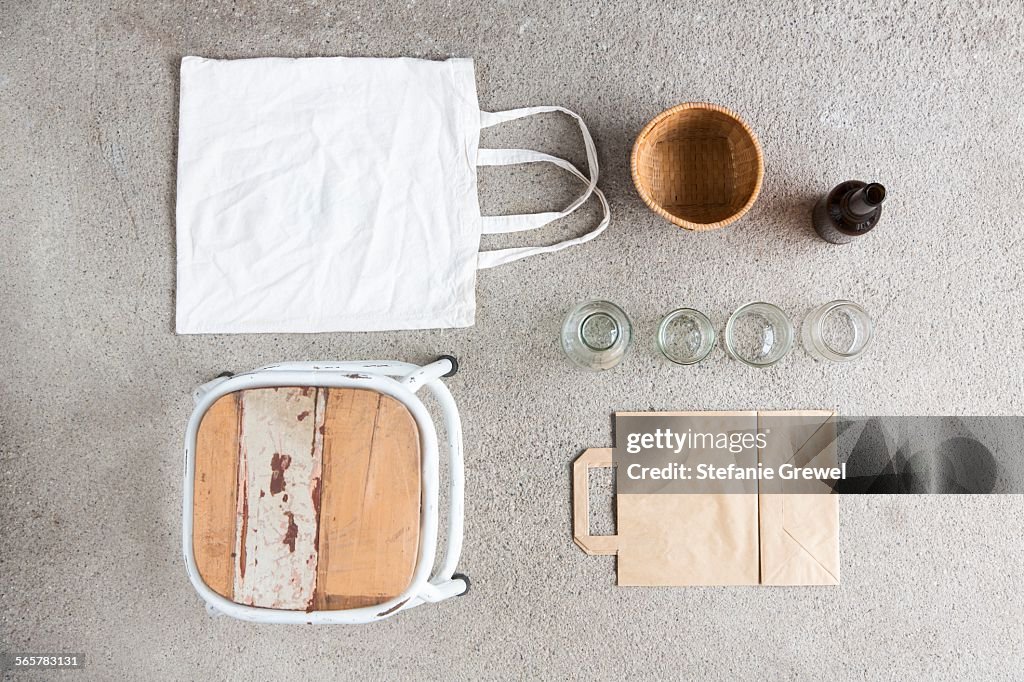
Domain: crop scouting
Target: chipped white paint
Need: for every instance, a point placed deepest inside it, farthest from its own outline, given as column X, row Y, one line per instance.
column 277, row 523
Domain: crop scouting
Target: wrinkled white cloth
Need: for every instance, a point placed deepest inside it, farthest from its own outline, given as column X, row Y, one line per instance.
column 338, row 194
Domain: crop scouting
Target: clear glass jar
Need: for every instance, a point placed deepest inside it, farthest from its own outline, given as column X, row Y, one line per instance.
column 686, row 336
column 596, row 334
column 838, row 331
column 759, row 334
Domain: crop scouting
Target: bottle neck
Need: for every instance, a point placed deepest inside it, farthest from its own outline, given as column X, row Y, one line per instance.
column 864, row 201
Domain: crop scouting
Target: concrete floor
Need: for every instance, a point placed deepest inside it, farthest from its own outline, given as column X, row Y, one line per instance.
column 94, row 388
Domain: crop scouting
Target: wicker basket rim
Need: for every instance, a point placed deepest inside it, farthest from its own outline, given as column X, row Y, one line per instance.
column 675, row 220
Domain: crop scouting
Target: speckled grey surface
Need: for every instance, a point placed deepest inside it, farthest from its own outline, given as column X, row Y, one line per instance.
column 94, row 386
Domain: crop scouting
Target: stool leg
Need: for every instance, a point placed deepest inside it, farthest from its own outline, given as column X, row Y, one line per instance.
column 465, row 579
column 455, row 365
column 456, row 586
column 445, row 366
column 198, row 394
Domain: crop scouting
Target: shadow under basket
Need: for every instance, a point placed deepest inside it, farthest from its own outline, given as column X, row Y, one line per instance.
column 698, row 165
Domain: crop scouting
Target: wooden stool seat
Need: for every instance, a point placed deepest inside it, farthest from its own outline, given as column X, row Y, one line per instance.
column 307, row 498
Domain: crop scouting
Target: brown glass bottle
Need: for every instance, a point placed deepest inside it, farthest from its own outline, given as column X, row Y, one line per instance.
column 850, row 210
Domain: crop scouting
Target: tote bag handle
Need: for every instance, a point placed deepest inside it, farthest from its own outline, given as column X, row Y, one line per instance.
column 530, row 221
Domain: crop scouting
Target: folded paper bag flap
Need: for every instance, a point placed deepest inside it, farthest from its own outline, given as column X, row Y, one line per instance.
column 799, row 528
column 811, row 520
column 799, row 539
column 591, row 544
column 811, row 523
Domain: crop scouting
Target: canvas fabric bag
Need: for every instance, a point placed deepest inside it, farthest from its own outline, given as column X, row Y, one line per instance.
column 340, row 194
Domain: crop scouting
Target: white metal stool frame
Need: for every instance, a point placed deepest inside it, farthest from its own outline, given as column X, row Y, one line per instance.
column 400, row 380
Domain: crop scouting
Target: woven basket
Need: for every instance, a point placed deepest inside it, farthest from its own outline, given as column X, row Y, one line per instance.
column 698, row 165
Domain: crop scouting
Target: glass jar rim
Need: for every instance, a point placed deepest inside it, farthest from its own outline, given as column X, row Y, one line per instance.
column 616, row 331
column 822, row 313
column 707, row 334
column 731, row 324
column 586, row 354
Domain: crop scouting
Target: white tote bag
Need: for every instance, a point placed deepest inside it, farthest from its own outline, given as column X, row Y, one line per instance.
column 340, row 194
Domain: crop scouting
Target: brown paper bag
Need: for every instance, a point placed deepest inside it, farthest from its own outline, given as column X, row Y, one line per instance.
column 722, row 539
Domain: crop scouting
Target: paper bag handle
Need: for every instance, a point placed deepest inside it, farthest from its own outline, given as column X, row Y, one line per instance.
column 591, row 544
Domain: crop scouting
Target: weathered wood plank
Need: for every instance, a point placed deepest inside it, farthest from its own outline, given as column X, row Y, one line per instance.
column 277, row 487
column 213, row 501
column 370, row 500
